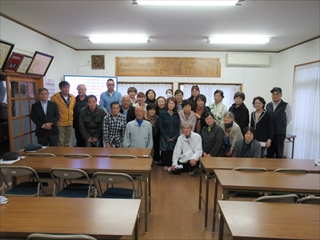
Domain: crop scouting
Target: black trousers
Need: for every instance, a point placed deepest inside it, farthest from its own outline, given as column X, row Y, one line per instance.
column 156, row 147
column 166, row 158
column 48, row 140
column 80, row 141
column 277, row 146
column 186, row 167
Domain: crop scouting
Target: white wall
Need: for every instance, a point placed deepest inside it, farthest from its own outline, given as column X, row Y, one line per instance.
column 27, row 42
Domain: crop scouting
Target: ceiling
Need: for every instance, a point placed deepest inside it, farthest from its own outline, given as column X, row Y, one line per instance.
column 184, row 28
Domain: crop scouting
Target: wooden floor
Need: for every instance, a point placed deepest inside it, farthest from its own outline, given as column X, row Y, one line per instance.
column 175, row 213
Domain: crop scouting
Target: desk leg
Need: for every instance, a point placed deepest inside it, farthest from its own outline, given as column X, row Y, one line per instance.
column 221, row 229
column 200, row 186
column 149, row 192
column 292, row 148
column 136, row 230
column 215, row 204
column 146, row 204
column 206, row 201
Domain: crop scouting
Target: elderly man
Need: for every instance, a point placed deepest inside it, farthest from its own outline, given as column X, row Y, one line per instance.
column 138, row 132
column 80, row 103
column 127, row 109
column 113, row 127
column 281, row 113
column 187, row 151
column 106, row 98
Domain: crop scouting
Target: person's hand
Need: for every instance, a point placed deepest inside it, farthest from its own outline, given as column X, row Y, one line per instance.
column 94, row 139
column 47, row 126
column 197, row 115
column 204, row 154
column 170, row 140
column 173, row 168
column 89, row 139
column 229, row 154
column 268, row 144
column 193, row 162
column 108, row 145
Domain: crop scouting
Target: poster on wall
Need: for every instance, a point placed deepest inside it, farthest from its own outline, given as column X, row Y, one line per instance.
column 5, row 50
column 50, row 85
column 13, row 62
column 40, row 64
column 24, row 64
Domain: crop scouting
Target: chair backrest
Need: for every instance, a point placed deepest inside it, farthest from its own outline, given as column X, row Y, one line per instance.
column 250, row 169
column 39, row 236
column 289, row 170
column 68, row 173
column 122, row 156
column 111, row 178
column 77, row 155
column 41, row 154
column 310, row 200
column 288, row 198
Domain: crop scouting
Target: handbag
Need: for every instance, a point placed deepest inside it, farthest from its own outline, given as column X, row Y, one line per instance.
column 10, row 156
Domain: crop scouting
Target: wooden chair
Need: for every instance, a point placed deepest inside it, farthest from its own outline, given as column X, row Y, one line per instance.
column 288, row 198
column 26, row 188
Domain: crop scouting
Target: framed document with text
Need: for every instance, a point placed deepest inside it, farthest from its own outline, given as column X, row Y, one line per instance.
column 5, row 50
column 40, row 64
column 24, row 64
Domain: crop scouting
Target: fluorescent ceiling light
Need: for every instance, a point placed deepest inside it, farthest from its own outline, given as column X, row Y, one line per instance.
column 238, row 40
column 119, row 39
column 188, row 3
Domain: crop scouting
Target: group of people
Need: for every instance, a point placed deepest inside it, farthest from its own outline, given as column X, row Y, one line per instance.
column 179, row 131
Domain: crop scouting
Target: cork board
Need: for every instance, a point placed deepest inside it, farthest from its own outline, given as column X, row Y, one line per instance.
column 165, row 67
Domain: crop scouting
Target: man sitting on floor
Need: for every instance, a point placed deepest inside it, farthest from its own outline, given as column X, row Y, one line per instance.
column 187, row 151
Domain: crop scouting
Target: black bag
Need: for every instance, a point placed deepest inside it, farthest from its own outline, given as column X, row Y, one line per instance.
column 10, row 156
column 32, row 147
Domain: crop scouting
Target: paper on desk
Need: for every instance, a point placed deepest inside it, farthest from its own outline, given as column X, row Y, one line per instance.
column 12, row 161
column 3, row 200
column 22, row 150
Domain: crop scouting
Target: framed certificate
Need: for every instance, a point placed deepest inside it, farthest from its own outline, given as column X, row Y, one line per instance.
column 5, row 50
column 24, row 64
column 40, row 64
column 13, row 62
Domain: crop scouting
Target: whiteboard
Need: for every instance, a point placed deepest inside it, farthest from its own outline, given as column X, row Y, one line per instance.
column 95, row 84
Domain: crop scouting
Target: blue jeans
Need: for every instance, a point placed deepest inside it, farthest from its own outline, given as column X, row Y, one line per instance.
column 94, row 144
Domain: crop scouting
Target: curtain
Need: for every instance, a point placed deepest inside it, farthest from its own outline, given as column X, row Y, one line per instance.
column 160, row 89
column 209, row 89
column 305, row 110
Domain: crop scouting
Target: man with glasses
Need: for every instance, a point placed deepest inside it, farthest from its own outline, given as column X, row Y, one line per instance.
column 106, row 98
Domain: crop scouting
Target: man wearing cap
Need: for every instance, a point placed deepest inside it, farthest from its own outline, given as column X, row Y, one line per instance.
column 281, row 113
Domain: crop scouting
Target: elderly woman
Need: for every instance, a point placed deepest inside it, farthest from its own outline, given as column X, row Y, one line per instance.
column 212, row 137
column 232, row 133
column 218, row 108
column 186, row 114
column 262, row 122
column 247, row 147
column 240, row 111
column 169, row 126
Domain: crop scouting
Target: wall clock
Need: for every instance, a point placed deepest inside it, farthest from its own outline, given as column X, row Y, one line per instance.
column 97, row 61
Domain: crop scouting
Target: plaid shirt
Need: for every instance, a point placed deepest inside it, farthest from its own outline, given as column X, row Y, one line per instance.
column 113, row 129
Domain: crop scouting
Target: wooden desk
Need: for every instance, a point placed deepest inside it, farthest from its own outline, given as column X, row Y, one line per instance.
column 264, row 182
column 97, row 164
column 211, row 163
column 100, row 218
column 257, row 220
column 95, row 152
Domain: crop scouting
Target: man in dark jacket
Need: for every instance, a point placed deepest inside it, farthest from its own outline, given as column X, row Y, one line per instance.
column 45, row 116
column 281, row 113
column 127, row 109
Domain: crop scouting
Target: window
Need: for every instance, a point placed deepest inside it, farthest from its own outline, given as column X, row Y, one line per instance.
column 159, row 88
column 306, row 87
